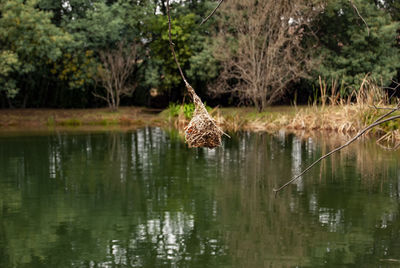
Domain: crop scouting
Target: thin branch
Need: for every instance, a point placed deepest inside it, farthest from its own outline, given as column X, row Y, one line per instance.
column 386, row 138
column 396, row 147
column 387, row 114
column 103, row 98
column 388, row 148
column 212, row 13
column 377, row 122
column 171, row 45
column 394, row 89
column 356, row 9
column 382, row 108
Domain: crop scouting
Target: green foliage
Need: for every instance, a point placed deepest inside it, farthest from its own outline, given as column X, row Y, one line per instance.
column 173, row 109
column 349, row 50
column 186, row 109
column 71, row 122
column 393, row 7
column 181, row 32
column 203, row 65
column 100, row 28
column 192, row 51
column 28, row 41
column 63, row 12
column 8, row 63
column 77, row 69
column 49, row 47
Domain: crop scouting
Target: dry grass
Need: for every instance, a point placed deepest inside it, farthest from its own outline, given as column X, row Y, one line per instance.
column 340, row 118
column 343, row 119
column 44, row 118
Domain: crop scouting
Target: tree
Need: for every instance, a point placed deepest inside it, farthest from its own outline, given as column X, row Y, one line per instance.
column 165, row 75
column 66, row 12
column 100, row 28
column 126, row 21
column 259, row 44
column 28, row 43
column 191, row 46
column 8, row 63
column 392, row 6
column 74, row 72
column 117, row 66
column 349, row 49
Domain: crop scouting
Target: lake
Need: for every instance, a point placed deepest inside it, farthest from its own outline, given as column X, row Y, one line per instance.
column 143, row 199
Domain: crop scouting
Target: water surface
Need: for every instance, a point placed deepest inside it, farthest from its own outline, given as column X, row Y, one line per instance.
column 143, row 199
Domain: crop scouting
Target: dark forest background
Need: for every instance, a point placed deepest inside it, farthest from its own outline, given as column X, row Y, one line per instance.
column 61, row 53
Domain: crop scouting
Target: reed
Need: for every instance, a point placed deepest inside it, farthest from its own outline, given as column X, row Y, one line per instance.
column 340, row 117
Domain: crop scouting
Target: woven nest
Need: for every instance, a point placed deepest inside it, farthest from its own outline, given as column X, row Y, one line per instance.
column 202, row 130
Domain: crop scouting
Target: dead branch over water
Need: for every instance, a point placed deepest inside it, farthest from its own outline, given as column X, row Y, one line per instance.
column 382, row 119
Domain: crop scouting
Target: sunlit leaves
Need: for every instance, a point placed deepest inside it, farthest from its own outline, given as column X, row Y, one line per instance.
column 77, row 69
column 29, row 39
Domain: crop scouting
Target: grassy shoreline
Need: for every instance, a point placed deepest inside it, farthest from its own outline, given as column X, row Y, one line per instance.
column 45, row 118
column 343, row 119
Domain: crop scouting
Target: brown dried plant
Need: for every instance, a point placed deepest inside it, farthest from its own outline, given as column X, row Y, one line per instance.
column 259, row 45
column 117, row 66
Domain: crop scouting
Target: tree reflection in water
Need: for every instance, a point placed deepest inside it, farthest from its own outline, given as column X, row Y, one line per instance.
column 142, row 199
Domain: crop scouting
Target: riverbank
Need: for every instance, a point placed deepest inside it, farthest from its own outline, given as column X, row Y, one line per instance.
column 44, row 118
column 344, row 119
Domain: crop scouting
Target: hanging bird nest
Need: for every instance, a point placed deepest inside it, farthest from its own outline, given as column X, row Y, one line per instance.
column 202, row 130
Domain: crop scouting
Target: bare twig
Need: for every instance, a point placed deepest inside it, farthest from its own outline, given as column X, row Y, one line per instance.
column 117, row 66
column 387, row 137
column 269, row 53
column 212, row 13
column 171, row 45
column 377, row 122
column 358, row 13
column 382, row 108
column 396, row 147
column 388, row 148
column 394, row 89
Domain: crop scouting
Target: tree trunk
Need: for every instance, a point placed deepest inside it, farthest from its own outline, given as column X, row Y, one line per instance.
column 10, row 105
column 25, row 101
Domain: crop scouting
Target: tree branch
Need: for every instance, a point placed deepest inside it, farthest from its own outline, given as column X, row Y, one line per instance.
column 394, row 89
column 358, row 13
column 171, row 45
column 212, row 13
column 382, row 108
column 377, row 122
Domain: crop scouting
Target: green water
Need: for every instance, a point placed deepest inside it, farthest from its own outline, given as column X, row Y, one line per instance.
column 142, row 199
